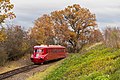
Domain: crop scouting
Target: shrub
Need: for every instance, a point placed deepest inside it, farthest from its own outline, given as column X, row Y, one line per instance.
column 112, row 37
column 3, row 56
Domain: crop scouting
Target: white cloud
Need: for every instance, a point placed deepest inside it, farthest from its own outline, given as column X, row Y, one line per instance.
column 107, row 11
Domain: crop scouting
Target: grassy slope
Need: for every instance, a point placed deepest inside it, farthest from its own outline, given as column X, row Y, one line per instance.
column 100, row 63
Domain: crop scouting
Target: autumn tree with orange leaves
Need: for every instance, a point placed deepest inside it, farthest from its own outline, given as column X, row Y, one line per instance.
column 5, row 10
column 71, row 27
column 42, row 31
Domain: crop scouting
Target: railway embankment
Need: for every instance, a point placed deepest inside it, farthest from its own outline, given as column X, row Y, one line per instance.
column 97, row 63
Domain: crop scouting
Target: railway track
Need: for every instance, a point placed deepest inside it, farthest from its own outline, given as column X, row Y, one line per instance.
column 16, row 71
column 23, row 69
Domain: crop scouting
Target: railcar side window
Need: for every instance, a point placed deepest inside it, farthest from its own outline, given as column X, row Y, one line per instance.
column 56, row 50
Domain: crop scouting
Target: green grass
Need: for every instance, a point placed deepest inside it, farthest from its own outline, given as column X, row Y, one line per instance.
column 99, row 63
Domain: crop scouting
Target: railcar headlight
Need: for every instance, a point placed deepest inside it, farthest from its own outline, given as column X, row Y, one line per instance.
column 37, row 55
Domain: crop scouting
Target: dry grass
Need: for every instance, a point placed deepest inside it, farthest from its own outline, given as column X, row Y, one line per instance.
column 25, row 60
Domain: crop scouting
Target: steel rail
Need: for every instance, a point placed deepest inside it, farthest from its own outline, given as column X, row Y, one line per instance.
column 16, row 71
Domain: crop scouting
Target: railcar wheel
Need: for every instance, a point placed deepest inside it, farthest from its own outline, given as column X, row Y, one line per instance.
column 41, row 63
column 36, row 63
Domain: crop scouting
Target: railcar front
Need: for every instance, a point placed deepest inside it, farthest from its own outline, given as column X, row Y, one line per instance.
column 38, row 55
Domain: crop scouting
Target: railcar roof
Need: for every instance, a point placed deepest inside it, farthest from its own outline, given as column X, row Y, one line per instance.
column 49, row 46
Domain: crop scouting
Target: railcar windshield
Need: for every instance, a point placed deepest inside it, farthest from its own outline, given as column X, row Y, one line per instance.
column 38, row 50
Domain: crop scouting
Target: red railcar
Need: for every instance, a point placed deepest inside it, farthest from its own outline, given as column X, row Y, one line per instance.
column 47, row 52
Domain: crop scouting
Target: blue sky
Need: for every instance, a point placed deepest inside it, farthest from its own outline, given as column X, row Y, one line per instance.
column 107, row 11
